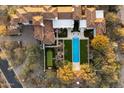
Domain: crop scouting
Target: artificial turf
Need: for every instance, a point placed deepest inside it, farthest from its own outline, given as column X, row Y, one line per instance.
column 49, row 58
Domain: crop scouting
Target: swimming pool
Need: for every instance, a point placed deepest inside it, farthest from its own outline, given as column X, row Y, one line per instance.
column 75, row 49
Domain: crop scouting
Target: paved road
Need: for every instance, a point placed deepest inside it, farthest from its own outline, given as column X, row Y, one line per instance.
column 9, row 74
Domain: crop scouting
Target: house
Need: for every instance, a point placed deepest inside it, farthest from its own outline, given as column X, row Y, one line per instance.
column 71, row 21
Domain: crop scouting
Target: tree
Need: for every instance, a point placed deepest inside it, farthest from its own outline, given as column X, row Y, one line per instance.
column 107, row 68
column 114, row 8
column 19, row 54
column 119, row 32
column 100, row 42
column 3, row 30
column 112, row 22
column 65, row 73
column 112, row 19
column 86, row 74
column 10, row 45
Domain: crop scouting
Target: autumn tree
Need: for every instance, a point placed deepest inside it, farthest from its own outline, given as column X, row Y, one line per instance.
column 119, row 32
column 65, row 73
column 86, row 74
column 100, row 42
column 110, row 69
column 3, row 30
column 107, row 67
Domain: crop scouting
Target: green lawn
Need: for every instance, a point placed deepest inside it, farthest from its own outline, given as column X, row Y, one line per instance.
column 83, row 51
column 68, row 50
column 49, row 58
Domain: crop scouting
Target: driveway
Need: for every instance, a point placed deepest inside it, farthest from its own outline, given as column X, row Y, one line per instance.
column 26, row 37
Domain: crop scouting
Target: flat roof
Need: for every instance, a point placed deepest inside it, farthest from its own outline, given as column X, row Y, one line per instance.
column 83, row 23
column 63, row 23
column 99, row 14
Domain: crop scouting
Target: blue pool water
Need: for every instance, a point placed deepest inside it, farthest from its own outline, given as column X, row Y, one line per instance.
column 75, row 49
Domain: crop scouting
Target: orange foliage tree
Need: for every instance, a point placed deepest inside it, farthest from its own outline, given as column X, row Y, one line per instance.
column 100, row 42
column 3, row 30
column 86, row 73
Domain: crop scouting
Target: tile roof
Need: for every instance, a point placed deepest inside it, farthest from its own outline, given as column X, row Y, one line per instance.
column 21, row 11
column 14, row 16
column 38, row 33
column 100, row 20
column 38, row 18
column 91, row 9
column 33, row 9
column 65, row 9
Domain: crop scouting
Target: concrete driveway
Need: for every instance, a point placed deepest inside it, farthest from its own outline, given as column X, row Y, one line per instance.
column 26, row 37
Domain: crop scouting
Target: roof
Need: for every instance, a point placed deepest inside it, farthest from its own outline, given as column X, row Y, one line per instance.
column 99, row 14
column 100, row 20
column 63, row 23
column 46, row 7
column 65, row 9
column 83, row 23
column 21, row 11
column 77, row 14
column 14, row 16
column 91, row 9
column 38, row 18
column 33, row 9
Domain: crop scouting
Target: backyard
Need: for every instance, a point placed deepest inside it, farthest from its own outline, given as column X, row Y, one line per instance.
column 83, row 51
